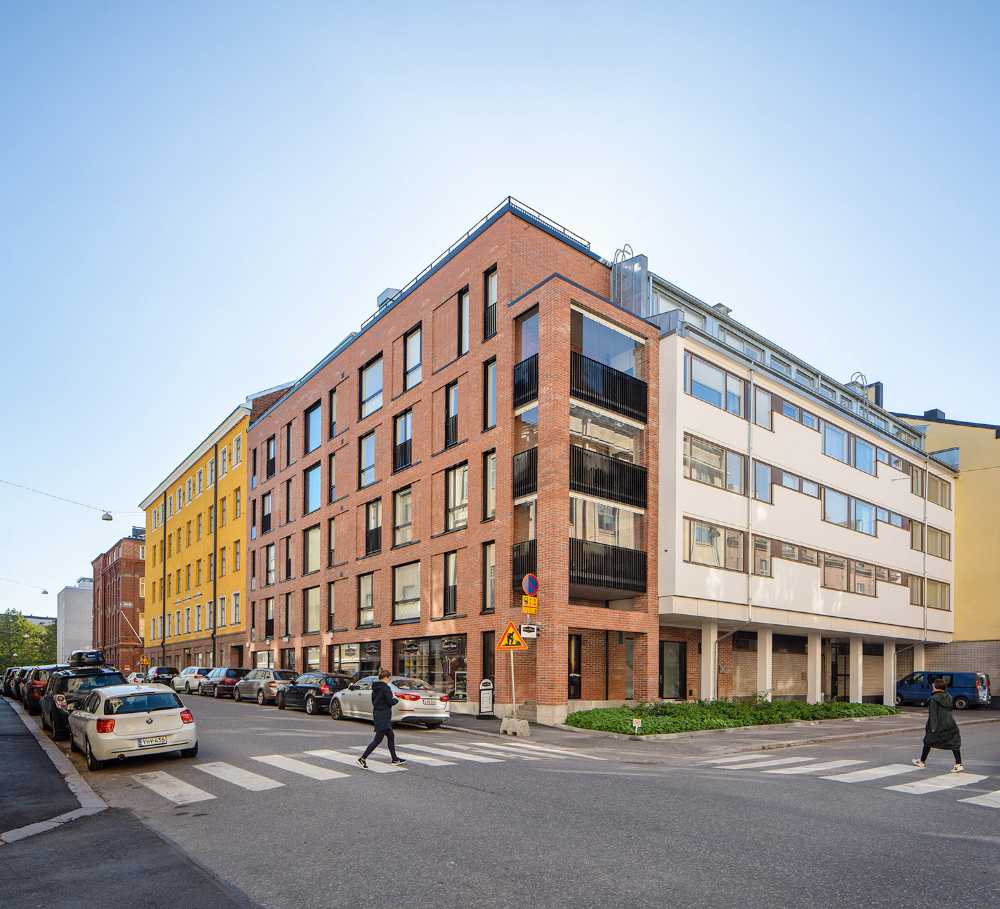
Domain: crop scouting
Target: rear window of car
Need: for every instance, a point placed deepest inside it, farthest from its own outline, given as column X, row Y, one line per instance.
column 236, row 673
column 412, row 684
column 337, row 682
column 78, row 683
column 141, row 703
column 285, row 676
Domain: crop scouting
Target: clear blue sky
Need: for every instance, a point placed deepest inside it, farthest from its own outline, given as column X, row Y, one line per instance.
column 199, row 200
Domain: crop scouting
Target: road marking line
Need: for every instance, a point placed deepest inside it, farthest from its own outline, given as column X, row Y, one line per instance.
column 812, row 768
column 350, row 759
column 736, row 759
column 777, row 762
column 498, row 751
column 462, row 756
column 552, row 749
column 416, row 758
column 245, row 779
column 171, row 788
column 990, row 800
column 938, row 783
column 293, row 765
column 871, row 773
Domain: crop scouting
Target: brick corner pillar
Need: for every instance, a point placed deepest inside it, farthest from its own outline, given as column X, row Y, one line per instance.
column 919, row 658
column 765, row 663
column 647, row 662
column 889, row 672
column 856, row 670
column 814, row 668
column 709, row 660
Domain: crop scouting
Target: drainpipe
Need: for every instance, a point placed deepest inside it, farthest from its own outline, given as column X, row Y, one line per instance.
column 215, row 548
column 163, row 587
column 923, row 583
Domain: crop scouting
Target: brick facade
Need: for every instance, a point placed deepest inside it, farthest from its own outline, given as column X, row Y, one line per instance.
column 119, row 602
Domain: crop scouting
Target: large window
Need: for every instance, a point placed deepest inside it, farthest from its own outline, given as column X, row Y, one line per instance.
column 490, row 394
column 717, row 547
column 938, row 491
column 311, row 488
column 601, row 522
column 272, row 446
column 463, row 322
column 270, row 564
column 863, row 517
column 438, row 661
column 450, row 606
column 451, row 414
column 836, row 507
column 598, row 341
column 403, row 441
column 864, row 456
column 311, row 550
column 359, row 659
column 489, row 484
column 311, row 612
column 490, row 293
column 373, row 527
column 456, row 490
column 366, row 599
column 761, row 481
column 709, row 463
column 938, row 594
column 489, row 576
column 371, row 387
column 406, row 592
column 313, row 431
column 402, row 516
column 265, row 513
column 411, row 358
column 834, row 572
column 863, row 578
column 331, row 477
column 611, row 436
column 763, row 408
column 332, row 407
column 366, row 459
column 938, row 543
column 835, row 443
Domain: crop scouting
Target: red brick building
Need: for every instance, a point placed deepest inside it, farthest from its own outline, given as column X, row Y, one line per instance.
column 496, row 416
column 119, row 601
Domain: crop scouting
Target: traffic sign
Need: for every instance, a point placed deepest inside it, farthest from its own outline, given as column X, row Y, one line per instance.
column 529, row 631
column 529, row 604
column 511, row 639
column 529, row 584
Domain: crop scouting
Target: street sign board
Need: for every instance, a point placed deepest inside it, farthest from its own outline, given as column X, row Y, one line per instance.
column 529, row 585
column 529, row 604
column 511, row 639
column 486, row 698
column 529, row 631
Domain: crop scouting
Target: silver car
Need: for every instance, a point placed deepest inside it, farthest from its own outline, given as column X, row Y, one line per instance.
column 190, row 678
column 263, row 685
column 418, row 702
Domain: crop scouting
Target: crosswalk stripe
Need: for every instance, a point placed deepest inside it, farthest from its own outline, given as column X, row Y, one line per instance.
column 938, row 783
column 352, row 760
column 552, row 749
column 292, row 765
column 171, row 788
column 496, row 751
column 246, row 779
column 777, row 762
column 813, row 768
column 989, row 800
column 736, row 758
column 871, row 773
column 461, row 755
column 416, row 758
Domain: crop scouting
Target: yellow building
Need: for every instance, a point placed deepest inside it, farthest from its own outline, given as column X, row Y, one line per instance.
column 195, row 536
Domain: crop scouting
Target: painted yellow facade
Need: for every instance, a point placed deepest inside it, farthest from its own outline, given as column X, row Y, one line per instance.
column 195, row 542
column 977, row 528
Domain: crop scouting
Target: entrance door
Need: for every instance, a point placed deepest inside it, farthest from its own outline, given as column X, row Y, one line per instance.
column 840, row 670
column 673, row 670
column 575, row 667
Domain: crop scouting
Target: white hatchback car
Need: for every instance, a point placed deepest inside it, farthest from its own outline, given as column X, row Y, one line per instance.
column 127, row 720
column 189, row 680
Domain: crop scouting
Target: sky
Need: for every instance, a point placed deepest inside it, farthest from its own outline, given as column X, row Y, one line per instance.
column 199, row 200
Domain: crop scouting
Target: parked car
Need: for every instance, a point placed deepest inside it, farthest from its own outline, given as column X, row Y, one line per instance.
column 67, row 689
column 263, row 685
column 161, row 675
column 35, row 683
column 966, row 688
column 190, row 678
column 135, row 678
column 312, row 691
column 18, row 683
column 8, row 680
column 418, row 702
column 221, row 682
column 126, row 720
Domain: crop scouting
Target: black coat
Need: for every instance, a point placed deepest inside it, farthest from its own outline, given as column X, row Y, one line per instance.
column 382, row 703
column 941, row 730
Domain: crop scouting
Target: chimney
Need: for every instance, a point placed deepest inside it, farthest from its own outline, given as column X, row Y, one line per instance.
column 722, row 309
column 386, row 296
column 935, row 414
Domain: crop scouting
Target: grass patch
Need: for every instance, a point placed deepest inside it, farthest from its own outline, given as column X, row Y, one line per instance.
column 664, row 717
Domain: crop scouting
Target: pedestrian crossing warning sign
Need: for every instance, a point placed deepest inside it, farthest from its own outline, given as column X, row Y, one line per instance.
column 511, row 639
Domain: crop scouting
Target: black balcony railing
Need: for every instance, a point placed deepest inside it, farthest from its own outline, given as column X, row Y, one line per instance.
column 525, row 473
column 268, row 628
column 450, row 600
column 373, row 540
column 603, row 565
column 607, row 387
column 524, row 560
column 489, row 322
column 402, row 455
column 526, row 381
column 608, row 478
column 450, row 430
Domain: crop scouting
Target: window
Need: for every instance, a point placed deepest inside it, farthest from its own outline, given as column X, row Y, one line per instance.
column 863, row 575
column 490, row 288
column 222, row 611
column 310, row 550
column 916, row 590
column 762, row 557
column 456, row 485
column 311, row 488
column 450, row 605
column 402, row 520
column 223, row 463
column 938, row 492
column 938, row 594
column 916, row 536
column 310, row 613
column 287, row 658
column 253, row 469
column 411, row 358
column 864, row 456
column 463, row 322
column 863, row 517
column 187, row 576
column 197, row 572
column 222, row 563
column 331, row 605
column 834, row 572
column 762, row 405
column 270, row 465
column 331, row 536
column 366, row 460
column 371, row 387
column 705, row 381
column 489, row 484
column 489, row 576
column 310, row 659
column 761, row 481
column 237, row 451
column 835, row 443
column 403, row 441
column 717, row 547
column 703, row 461
column 917, row 481
column 835, row 507
column 406, row 592
column 269, row 617
column 200, row 485
column 287, row 617
column 790, row 480
column 265, row 513
column 810, row 420
column 490, row 394
column 237, row 556
column 288, row 443
column 810, row 488
column 366, row 599
column 938, row 543
column 222, row 511
column 451, row 414
column 311, row 422
column 270, row 575
column 780, row 365
column 373, row 527
column 188, row 533
column 332, row 407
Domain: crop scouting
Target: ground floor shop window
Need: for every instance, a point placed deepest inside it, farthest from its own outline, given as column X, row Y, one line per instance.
column 288, row 658
column 358, row 659
column 264, row 659
column 310, row 658
column 438, row 661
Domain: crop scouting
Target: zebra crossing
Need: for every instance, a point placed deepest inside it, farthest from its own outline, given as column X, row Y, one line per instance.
column 801, row 766
column 315, row 765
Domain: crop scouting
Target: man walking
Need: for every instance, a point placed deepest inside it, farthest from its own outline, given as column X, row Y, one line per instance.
column 941, row 730
column 382, row 704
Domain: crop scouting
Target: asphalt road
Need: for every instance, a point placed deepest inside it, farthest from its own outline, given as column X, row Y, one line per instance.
column 629, row 829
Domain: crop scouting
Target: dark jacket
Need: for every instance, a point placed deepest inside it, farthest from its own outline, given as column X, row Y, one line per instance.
column 941, row 730
column 382, row 703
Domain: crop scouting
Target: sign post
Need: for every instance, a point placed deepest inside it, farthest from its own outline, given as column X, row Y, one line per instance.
column 510, row 641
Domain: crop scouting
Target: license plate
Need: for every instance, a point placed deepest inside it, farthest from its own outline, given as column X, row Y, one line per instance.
column 153, row 740
column 430, row 701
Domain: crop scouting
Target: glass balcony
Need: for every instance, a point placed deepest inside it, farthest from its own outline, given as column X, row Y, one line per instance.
column 525, row 473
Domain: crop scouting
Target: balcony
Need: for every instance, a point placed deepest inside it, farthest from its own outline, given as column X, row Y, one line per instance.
column 450, row 430
column 489, row 321
column 524, row 560
column 402, row 455
column 603, row 567
column 598, row 475
column 373, row 540
column 526, row 381
column 607, row 387
column 525, row 473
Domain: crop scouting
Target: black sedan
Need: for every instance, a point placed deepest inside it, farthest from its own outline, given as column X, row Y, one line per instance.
column 221, row 682
column 312, row 691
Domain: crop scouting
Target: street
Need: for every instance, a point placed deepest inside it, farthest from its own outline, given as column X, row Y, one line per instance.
column 571, row 820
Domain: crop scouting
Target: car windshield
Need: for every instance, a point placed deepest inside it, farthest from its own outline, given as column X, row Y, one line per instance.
column 142, row 703
column 285, row 676
column 412, row 684
column 79, row 683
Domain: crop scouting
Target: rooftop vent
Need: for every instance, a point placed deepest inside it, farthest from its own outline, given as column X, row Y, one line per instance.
column 722, row 309
column 935, row 414
column 387, row 295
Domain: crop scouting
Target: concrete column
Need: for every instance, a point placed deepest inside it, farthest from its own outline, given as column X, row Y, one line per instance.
column 814, row 668
column 889, row 672
column 919, row 659
column 765, row 663
column 709, row 659
column 856, row 663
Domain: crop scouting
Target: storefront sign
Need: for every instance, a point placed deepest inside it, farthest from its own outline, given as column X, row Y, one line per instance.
column 449, row 646
column 486, row 698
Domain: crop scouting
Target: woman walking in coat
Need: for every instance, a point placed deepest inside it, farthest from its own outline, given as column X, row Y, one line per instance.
column 941, row 730
column 382, row 704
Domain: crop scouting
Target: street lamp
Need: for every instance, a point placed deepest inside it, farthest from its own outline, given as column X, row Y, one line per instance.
column 107, row 516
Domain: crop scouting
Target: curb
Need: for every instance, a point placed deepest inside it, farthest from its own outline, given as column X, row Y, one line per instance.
column 90, row 801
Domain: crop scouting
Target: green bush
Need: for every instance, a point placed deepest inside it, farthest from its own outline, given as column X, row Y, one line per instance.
column 660, row 717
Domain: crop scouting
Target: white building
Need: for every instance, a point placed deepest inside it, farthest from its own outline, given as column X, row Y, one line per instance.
column 75, row 616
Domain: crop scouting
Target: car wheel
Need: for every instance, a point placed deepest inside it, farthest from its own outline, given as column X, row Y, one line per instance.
column 336, row 711
column 45, row 722
column 59, row 732
column 281, row 702
column 260, row 698
column 92, row 762
column 190, row 752
column 311, row 706
column 899, row 700
column 217, row 692
column 961, row 703
column 432, row 725
column 236, row 695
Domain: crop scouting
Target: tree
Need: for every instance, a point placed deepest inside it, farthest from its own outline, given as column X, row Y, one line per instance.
column 22, row 643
